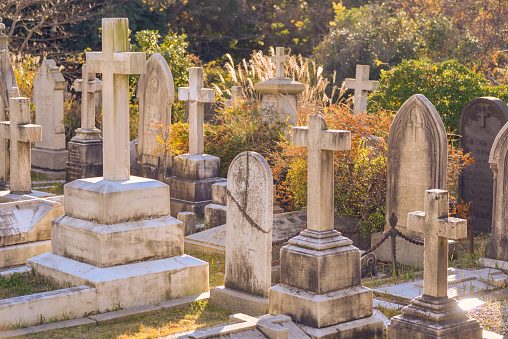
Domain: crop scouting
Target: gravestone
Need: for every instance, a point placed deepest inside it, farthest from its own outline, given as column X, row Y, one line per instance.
column 194, row 173
column 248, row 236
column 49, row 156
column 280, row 93
column 479, row 123
column 362, row 85
column 156, row 93
column 8, row 85
column 117, row 234
column 85, row 148
column 320, row 285
column 434, row 314
column 236, row 94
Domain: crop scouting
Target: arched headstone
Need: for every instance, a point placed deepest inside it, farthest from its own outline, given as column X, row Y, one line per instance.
column 480, row 122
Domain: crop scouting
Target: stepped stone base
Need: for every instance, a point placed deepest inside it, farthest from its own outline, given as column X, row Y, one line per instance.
column 239, row 302
column 370, row 327
column 18, row 254
column 50, row 163
column 84, row 158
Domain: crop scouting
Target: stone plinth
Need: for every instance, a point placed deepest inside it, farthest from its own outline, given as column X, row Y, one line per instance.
column 50, row 163
column 191, row 184
column 84, row 158
column 215, row 213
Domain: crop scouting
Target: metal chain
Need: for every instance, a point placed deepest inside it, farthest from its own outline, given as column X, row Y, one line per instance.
column 387, row 235
column 411, row 240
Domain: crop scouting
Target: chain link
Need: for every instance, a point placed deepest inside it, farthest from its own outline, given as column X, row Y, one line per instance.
column 372, row 249
column 411, row 240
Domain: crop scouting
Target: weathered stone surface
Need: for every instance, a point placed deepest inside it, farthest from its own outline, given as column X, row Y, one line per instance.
column 239, row 302
column 219, row 193
column 215, row 215
column 196, row 166
column 369, row 327
column 18, row 254
column 480, row 122
column 189, row 222
column 417, row 158
column 362, row 85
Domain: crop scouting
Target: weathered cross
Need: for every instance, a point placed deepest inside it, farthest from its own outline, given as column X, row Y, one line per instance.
column 437, row 228
column 361, row 85
column 482, row 115
column 197, row 96
column 321, row 142
column 21, row 133
column 414, row 122
column 279, row 59
column 115, row 64
column 236, row 93
column 88, row 85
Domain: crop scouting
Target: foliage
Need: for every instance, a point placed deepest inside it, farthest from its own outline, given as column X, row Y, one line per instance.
column 25, row 68
column 25, row 283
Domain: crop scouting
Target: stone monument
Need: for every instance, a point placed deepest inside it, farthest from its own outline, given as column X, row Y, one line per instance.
column 248, row 236
column 49, row 155
column 236, row 94
column 280, row 93
column 320, row 269
column 362, row 85
column 156, row 93
column 434, row 314
column 194, row 173
column 417, row 159
column 480, row 121
column 117, row 233
column 85, row 148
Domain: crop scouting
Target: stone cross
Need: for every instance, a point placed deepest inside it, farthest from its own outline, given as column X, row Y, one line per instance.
column 197, row 96
column 280, row 59
column 88, row 85
column 21, row 134
column 236, row 93
column 482, row 115
column 321, row 142
column 361, row 85
column 414, row 122
column 115, row 64
column 437, row 228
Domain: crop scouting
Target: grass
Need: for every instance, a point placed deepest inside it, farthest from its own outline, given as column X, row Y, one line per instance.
column 38, row 177
column 463, row 259
column 19, row 284
column 57, row 188
column 389, row 312
column 216, row 263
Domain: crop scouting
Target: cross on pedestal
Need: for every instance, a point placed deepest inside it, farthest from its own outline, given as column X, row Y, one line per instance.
column 414, row 122
column 482, row 115
column 21, row 133
column 321, row 142
column 361, row 85
column 115, row 64
column 279, row 59
column 236, row 93
column 437, row 228
column 88, row 85
column 197, row 96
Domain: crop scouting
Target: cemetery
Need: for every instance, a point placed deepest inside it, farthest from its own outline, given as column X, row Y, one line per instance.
column 164, row 175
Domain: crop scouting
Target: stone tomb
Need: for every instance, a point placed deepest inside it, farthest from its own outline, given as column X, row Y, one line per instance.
column 479, row 123
column 49, row 156
column 280, row 93
column 117, row 233
column 85, row 148
column 362, row 85
column 156, row 93
column 320, row 269
column 194, row 173
column 434, row 314
column 248, row 236
column 417, row 159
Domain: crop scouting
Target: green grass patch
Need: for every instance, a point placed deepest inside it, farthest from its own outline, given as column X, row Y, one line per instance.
column 216, row 263
column 25, row 283
column 57, row 188
column 389, row 312
column 38, row 177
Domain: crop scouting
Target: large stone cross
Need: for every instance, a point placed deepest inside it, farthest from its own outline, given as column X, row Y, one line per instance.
column 115, row 64
column 321, row 142
column 88, row 85
column 437, row 228
column 361, row 85
column 197, row 96
column 280, row 59
column 21, row 133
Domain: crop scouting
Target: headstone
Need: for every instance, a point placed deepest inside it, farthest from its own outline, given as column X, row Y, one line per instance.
column 434, row 314
column 280, row 93
column 236, row 94
column 320, row 269
column 480, row 121
column 194, row 173
column 85, row 148
column 248, row 236
column 362, row 86
column 117, row 233
column 49, row 156
column 8, row 85
column 189, row 222
column 156, row 93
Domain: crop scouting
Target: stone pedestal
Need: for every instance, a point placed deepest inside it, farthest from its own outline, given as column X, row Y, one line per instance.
column 432, row 317
column 118, row 235
column 215, row 213
column 84, row 156
column 191, row 183
column 48, row 162
column 326, row 289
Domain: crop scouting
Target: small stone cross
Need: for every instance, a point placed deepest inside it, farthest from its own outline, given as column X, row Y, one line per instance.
column 484, row 113
column 279, row 59
column 362, row 85
column 115, row 64
column 414, row 122
column 88, row 85
column 21, row 134
column 437, row 228
column 197, row 96
column 321, row 142
column 236, row 93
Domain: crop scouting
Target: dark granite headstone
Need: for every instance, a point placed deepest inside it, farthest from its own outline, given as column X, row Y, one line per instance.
column 480, row 121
